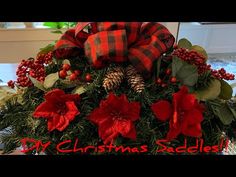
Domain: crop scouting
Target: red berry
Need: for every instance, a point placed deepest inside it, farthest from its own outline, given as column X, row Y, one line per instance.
column 77, row 72
column 173, row 80
column 62, row 74
column 88, row 77
column 163, row 85
column 175, row 46
column 66, row 67
column 168, row 71
column 73, row 77
column 158, row 81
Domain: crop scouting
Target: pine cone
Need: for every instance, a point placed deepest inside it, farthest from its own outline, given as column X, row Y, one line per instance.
column 135, row 80
column 113, row 78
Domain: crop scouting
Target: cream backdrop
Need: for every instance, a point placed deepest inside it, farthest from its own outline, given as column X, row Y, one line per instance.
column 17, row 44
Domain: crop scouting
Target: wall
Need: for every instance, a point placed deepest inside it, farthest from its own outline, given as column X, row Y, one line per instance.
column 214, row 38
column 17, row 44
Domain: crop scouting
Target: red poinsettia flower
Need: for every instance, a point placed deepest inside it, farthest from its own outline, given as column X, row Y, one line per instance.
column 185, row 114
column 58, row 108
column 115, row 116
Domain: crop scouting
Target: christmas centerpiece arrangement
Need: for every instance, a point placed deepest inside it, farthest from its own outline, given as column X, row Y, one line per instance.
column 118, row 87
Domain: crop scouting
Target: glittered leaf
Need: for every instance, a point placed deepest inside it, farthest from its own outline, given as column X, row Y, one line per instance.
column 50, row 80
column 37, row 84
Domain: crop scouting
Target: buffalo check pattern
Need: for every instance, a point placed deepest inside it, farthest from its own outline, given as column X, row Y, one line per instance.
column 105, row 42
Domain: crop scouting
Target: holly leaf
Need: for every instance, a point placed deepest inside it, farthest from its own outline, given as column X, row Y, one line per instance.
column 200, row 50
column 37, row 84
column 48, row 48
column 187, row 74
column 226, row 91
column 176, row 65
column 50, row 80
column 210, row 92
column 184, row 43
column 79, row 90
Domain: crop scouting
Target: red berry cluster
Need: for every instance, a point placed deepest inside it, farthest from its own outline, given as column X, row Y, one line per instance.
column 45, row 58
column 221, row 74
column 66, row 67
column 11, row 84
column 194, row 58
column 171, row 80
column 33, row 68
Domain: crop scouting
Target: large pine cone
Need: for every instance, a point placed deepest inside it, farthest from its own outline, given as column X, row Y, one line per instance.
column 113, row 78
column 135, row 80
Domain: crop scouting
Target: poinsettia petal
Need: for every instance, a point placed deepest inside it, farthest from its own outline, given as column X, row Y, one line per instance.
column 133, row 112
column 132, row 133
column 183, row 89
column 72, row 111
column 107, row 132
column 116, row 103
column 177, row 97
column 122, row 126
column 71, row 97
column 53, row 122
column 98, row 115
column 193, row 130
column 162, row 110
column 54, row 96
column 174, row 130
column 187, row 101
column 45, row 110
column 201, row 107
column 193, row 116
column 62, row 124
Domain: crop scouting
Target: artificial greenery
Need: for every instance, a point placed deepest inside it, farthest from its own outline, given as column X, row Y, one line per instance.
column 17, row 121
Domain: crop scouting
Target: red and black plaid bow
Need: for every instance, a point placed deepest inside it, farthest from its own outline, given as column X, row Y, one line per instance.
column 140, row 43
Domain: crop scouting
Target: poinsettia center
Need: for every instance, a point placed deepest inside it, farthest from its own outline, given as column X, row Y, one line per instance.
column 117, row 115
column 61, row 108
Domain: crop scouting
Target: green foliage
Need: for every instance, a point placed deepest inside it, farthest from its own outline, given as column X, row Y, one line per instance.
column 17, row 120
column 200, row 50
column 222, row 111
column 48, row 48
column 226, row 91
column 56, row 25
column 209, row 92
column 50, row 80
column 184, row 43
column 60, row 25
column 37, row 84
column 186, row 73
column 79, row 90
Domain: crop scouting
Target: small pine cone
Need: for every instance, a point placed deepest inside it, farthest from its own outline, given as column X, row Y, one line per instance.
column 135, row 80
column 113, row 78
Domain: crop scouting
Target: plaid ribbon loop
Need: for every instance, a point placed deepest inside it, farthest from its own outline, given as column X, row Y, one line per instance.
column 105, row 42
